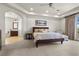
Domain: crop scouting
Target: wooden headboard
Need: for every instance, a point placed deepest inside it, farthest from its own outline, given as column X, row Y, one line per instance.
column 34, row 28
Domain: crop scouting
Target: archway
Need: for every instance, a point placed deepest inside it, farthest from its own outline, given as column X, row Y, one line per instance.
column 13, row 27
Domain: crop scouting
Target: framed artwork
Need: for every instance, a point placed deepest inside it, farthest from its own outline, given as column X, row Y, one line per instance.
column 40, row 22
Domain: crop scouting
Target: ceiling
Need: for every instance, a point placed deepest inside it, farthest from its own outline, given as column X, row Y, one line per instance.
column 57, row 9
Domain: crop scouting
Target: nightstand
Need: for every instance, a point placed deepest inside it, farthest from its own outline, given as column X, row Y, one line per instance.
column 28, row 36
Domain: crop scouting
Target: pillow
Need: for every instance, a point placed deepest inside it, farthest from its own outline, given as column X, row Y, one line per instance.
column 36, row 30
column 40, row 30
column 45, row 30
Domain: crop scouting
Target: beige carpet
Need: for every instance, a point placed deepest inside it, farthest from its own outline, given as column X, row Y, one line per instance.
column 12, row 40
column 27, row 48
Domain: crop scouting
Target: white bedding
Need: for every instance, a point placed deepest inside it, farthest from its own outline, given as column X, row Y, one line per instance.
column 48, row 35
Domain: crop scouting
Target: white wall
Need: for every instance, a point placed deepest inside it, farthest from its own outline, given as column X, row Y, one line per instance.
column 8, row 25
column 52, row 23
column 62, row 25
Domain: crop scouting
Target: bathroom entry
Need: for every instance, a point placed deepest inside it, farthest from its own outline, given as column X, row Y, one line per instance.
column 13, row 27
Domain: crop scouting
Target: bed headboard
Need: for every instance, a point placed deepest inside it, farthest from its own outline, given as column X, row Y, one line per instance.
column 38, row 29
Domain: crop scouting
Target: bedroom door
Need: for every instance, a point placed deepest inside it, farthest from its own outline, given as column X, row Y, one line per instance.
column 70, row 26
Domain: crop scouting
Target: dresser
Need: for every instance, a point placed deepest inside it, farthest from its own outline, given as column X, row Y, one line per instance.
column 13, row 33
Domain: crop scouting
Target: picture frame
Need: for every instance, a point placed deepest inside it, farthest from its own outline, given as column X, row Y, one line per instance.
column 40, row 22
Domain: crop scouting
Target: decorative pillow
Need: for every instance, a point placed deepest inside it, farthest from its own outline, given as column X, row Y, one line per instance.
column 41, row 30
column 36, row 30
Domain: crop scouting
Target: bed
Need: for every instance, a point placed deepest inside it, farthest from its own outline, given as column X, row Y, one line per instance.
column 42, row 35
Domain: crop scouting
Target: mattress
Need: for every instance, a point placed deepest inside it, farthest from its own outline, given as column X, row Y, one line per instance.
column 49, row 35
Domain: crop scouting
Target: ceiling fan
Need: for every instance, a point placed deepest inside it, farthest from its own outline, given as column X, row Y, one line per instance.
column 51, row 5
column 47, row 4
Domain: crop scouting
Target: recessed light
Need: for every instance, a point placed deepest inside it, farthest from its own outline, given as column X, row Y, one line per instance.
column 31, row 9
column 31, row 13
column 56, row 16
column 58, row 13
column 45, row 14
column 47, row 11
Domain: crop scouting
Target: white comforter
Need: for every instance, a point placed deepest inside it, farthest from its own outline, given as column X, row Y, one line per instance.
column 49, row 35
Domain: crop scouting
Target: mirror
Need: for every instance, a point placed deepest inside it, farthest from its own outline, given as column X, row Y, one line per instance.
column 15, row 25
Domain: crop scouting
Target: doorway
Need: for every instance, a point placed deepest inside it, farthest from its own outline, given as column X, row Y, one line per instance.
column 13, row 27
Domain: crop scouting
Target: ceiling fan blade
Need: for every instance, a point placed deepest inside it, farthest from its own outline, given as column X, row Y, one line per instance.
column 50, row 4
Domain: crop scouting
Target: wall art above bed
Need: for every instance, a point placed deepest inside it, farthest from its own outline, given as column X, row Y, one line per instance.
column 40, row 22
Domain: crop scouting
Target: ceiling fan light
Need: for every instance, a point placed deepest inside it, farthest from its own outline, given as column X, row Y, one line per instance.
column 56, row 16
column 31, row 9
column 50, row 4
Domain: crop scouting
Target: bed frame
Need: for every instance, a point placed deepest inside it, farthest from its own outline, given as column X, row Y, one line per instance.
column 46, row 40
